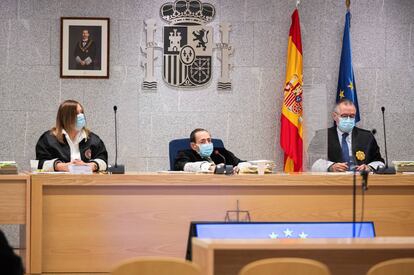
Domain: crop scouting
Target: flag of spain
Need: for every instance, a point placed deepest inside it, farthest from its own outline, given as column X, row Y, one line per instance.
column 291, row 126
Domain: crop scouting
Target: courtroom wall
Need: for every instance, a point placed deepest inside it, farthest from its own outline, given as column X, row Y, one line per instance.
column 246, row 118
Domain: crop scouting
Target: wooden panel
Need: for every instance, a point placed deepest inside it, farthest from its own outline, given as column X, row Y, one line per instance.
column 15, row 209
column 13, row 199
column 343, row 257
column 90, row 223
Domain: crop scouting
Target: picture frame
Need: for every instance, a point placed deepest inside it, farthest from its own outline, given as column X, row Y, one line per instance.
column 84, row 47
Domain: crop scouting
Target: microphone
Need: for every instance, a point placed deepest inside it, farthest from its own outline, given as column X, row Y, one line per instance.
column 386, row 169
column 116, row 169
column 216, row 152
column 223, row 169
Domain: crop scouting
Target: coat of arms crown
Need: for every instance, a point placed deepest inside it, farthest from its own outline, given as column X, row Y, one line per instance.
column 187, row 11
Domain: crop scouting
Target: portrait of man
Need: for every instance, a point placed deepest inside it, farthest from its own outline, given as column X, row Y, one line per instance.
column 84, row 47
column 85, row 52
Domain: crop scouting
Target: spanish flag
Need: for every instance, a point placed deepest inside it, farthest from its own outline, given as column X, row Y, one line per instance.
column 291, row 124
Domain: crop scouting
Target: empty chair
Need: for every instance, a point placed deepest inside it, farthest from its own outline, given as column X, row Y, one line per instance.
column 403, row 266
column 156, row 266
column 285, row 266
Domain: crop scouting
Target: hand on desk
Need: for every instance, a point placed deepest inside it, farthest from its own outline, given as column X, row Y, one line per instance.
column 343, row 166
column 363, row 167
column 339, row 167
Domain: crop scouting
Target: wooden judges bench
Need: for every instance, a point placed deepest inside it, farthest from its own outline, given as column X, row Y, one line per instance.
column 88, row 223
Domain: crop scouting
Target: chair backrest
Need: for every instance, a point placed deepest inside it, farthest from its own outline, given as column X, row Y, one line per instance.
column 177, row 145
column 156, row 266
column 285, row 266
column 403, row 266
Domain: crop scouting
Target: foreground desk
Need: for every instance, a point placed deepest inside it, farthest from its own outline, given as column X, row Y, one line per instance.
column 89, row 223
column 342, row 256
column 15, row 209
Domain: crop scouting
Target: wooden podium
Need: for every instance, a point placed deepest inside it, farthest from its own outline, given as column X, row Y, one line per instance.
column 89, row 223
column 342, row 256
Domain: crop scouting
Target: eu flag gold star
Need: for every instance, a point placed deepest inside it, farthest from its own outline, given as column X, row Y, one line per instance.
column 351, row 86
column 341, row 94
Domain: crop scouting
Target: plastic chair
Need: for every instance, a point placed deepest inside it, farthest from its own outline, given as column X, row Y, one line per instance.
column 403, row 266
column 285, row 266
column 177, row 145
column 157, row 266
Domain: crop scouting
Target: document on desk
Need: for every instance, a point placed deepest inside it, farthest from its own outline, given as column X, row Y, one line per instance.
column 175, row 172
column 80, row 169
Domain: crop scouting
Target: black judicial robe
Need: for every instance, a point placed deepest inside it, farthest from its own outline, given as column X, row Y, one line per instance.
column 48, row 147
column 10, row 263
column 362, row 140
column 190, row 155
column 84, row 52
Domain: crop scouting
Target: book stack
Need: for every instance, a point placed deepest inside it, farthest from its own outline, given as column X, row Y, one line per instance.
column 404, row 166
column 8, row 167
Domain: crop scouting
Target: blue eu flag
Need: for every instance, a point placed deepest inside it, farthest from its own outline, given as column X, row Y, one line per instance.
column 346, row 80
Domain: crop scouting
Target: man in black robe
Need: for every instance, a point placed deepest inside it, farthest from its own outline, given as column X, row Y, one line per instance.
column 345, row 146
column 203, row 157
column 85, row 52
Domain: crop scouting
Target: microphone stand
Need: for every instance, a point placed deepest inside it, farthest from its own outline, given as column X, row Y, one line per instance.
column 117, row 168
column 354, row 204
column 386, row 169
column 223, row 169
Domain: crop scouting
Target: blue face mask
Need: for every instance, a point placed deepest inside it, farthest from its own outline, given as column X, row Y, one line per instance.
column 346, row 124
column 206, row 150
column 80, row 122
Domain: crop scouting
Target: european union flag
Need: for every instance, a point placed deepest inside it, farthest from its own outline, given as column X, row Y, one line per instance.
column 346, row 79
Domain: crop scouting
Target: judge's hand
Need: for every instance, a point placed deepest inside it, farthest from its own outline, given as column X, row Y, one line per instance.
column 93, row 165
column 363, row 167
column 82, row 63
column 339, row 167
column 78, row 162
column 62, row 166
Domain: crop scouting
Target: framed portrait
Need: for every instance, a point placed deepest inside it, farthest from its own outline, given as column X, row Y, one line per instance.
column 84, row 47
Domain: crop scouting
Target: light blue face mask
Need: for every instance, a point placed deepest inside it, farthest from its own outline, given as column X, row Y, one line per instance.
column 80, row 122
column 206, row 149
column 346, row 124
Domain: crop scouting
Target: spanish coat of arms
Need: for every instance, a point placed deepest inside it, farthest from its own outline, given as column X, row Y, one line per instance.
column 187, row 47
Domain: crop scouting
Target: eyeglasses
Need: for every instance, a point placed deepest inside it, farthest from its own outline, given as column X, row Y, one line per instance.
column 346, row 115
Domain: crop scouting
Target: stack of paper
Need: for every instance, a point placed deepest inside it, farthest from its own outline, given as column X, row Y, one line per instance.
column 8, row 167
column 404, row 166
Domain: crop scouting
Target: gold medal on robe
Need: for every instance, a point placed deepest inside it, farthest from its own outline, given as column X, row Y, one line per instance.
column 360, row 155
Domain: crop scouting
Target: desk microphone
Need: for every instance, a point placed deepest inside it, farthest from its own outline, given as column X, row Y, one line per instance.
column 386, row 169
column 116, row 168
column 223, row 169
column 217, row 153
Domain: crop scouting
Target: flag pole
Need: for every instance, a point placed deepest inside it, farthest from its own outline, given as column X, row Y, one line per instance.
column 297, row 3
column 348, row 4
